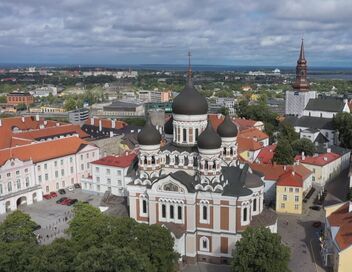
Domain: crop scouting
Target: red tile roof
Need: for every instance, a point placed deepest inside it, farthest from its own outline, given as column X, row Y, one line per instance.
column 106, row 123
column 117, row 161
column 242, row 124
column 253, row 133
column 290, row 178
column 319, row 160
column 342, row 218
column 247, row 144
column 42, row 151
column 53, row 131
column 266, row 154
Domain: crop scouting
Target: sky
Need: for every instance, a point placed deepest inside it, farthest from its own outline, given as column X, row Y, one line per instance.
column 218, row 32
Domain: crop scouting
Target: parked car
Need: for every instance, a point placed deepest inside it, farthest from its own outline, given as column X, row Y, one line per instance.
column 72, row 202
column 48, row 196
column 77, row 185
column 71, row 188
column 53, row 194
column 61, row 200
column 66, row 202
column 62, row 191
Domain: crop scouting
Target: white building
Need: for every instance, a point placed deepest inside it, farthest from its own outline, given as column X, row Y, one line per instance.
column 109, row 174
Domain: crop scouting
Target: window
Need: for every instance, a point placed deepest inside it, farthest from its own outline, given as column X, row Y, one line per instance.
column 119, row 183
column 98, row 188
column 46, row 176
column 245, row 215
column 204, row 243
column 282, row 205
column 313, row 170
column 163, row 211
column 71, row 169
column 38, row 167
column 8, row 174
column 0, row 189
column 290, row 190
column 17, row 172
column 108, row 171
column 71, row 159
column 40, row 179
column 63, row 183
column 55, row 163
column 62, row 172
column 87, row 165
column 296, row 198
column 45, row 166
column 184, row 136
column 72, row 181
column 179, row 213
column 26, row 170
column 27, row 181
column 82, row 166
column 87, row 155
column 9, row 187
column 255, row 205
column 205, row 213
column 57, row 186
column 56, row 174
column 62, row 162
column 197, row 134
column 313, row 178
column 81, row 157
column 172, row 211
column 119, row 172
column 98, row 179
column 47, row 189
column 108, row 180
column 296, row 206
column 296, row 190
column 144, row 206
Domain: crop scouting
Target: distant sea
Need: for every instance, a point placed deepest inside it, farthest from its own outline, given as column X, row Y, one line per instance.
column 344, row 73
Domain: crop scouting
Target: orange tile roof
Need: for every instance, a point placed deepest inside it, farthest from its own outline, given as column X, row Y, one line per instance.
column 53, row 131
column 106, row 123
column 266, row 154
column 342, row 218
column 42, row 151
column 253, row 133
column 245, row 144
column 274, row 171
column 30, row 123
column 117, row 161
column 290, row 178
column 319, row 160
column 242, row 124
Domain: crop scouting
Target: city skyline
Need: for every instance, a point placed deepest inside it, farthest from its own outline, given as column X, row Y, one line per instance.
column 265, row 33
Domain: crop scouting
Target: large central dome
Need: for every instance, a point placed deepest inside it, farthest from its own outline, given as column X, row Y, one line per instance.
column 190, row 101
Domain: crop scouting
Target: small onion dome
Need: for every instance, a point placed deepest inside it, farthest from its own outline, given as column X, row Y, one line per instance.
column 190, row 101
column 149, row 135
column 209, row 139
column 168, row 127
column 227, row 128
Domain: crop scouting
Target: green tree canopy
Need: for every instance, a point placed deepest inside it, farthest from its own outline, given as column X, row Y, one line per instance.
column 259, row 250
column 343, row 124
column 288, row 132
column 283, row 153
column 303, row 145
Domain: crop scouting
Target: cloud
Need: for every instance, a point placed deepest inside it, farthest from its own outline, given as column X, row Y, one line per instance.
column 240, row 32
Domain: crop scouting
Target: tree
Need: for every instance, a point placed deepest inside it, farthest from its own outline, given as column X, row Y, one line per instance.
column 259, row 250
column 343, row 124
column 3, row 99
column 17, row 226
column 303, row 145
column 70, row 104
column 288, row 132
column 21, row 107
column 224, row 110
column 283, row 152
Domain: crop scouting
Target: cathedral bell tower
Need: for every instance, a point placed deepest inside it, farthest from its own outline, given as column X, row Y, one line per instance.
column 301, row 83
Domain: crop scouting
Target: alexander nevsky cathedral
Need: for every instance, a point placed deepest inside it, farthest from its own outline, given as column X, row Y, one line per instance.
column 190, row 181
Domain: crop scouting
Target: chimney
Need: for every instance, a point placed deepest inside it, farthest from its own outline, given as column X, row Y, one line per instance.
column 219, row 115
column 100, row 125
column 325, row 159
column 37, row 117
column 0, row 122
column 328, row 150
column 285, row 167
column 45, row 122
column 92, row 121
column 57, row 124
column 303, row 156
column 293, row 173
column 113, row 121
column 350, row 207
column 23, row 119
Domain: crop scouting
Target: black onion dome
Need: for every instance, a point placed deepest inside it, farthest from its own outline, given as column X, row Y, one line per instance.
column 168, row 126
column 209, row 139
column 227, row 128
column 149, row 135
column 190, row 101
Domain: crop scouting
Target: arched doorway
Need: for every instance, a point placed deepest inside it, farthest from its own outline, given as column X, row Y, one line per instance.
column 22, row 201
column 34, row 196
column 8, row 206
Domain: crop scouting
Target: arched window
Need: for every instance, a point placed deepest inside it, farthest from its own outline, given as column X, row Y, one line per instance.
column 144, row 206
column 214, row 165
column 18, row 182
column 145, row 160
column 172, row 211
column 9, row 187
column 163, row 211
column 184, row 136
column 167, row 159
column 224, row 151
column 197, row 134
column 153, row 159
column 255, row 205
column 204, row 243
column 179, row 213
column 245, row 215
column 231, row 151
column 205, row 213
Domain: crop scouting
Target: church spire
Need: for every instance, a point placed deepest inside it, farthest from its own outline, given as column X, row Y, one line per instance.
column 301, row 83
column 189, row 73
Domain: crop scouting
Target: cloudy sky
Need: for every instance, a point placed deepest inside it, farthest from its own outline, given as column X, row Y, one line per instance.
column 231, row 32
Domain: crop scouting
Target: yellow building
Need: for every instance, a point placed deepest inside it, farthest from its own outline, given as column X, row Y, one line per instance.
column 289, row 194
column 336, row 244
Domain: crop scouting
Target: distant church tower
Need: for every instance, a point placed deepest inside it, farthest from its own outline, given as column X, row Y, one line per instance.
column 297, row 99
